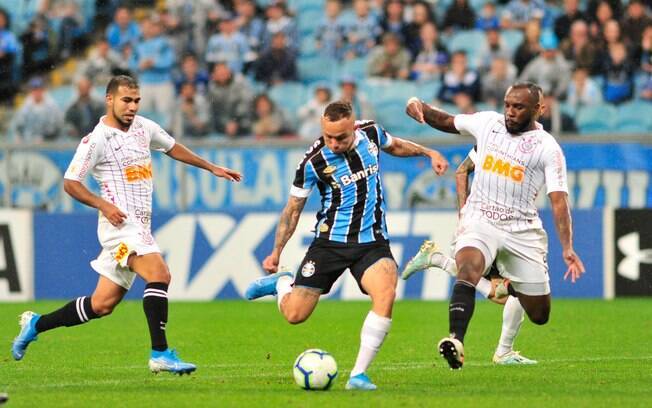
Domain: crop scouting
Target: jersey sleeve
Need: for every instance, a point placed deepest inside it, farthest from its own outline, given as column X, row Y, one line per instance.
column 384, row 137
column 555, row 170
column 472, row 124
column 87, row 155
column 304, row 180
column 473, row 155
column 160, row 141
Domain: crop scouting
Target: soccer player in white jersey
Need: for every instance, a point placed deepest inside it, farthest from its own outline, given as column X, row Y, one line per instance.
column 500, row 220
column 117, row 154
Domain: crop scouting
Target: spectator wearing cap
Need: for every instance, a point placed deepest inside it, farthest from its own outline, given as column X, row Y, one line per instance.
column 389, row 60
column 230, row 99
column 331, row 31
column 433, row 56
column 82, row 116
column 39, row 118
column 460, row 79
column 229, row 45
column 193, row 73
column 487, row 19
column 278, row 64
column 8, row 52
column 459, row 16
column 191, row 114
column 349, row 92
column 549, row 70
column 123, row 30
column 564, row 22
column 279, row 21
column 310, row 114
column 518, row 12
column 152, row 61
column 362, row 32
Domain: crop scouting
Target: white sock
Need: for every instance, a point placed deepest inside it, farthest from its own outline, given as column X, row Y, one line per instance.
column 446, row 263
column 374, row 330
column 484, row 287
column 513, row 314
column 283, row 287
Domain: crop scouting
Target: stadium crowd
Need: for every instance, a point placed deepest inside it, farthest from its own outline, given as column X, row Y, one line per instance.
column 267, row 68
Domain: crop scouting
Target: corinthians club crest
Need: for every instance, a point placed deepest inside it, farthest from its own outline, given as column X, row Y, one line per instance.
column 308, row 269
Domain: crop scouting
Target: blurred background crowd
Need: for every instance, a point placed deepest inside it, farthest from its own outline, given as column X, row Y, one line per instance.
column 230, row 69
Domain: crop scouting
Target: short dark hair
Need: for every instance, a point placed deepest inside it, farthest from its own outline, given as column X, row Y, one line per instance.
column 534, row 89
column 120, row 80
column 338, row 110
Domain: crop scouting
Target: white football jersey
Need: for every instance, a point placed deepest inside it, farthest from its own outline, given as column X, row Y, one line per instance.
column 510, row 170
column 121, row 163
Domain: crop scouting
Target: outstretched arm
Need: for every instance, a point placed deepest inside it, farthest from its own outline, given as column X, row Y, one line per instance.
column 433, row 116
column 183, row 154
column 405, row 148
column 564, row 226
column 462, row 174
column 286, row 226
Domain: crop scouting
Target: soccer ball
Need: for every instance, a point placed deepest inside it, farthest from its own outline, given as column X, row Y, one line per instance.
column 315, row 369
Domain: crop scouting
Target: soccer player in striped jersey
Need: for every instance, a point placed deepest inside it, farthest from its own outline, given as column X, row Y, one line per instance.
column 350, row 232
column 500, row 220
column 118, row 154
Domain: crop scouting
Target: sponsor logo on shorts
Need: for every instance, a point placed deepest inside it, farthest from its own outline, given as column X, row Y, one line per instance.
column 121, row 252
column 506, row 169
column 308, row 269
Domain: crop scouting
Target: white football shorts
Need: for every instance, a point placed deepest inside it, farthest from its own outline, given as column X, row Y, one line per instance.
column 117, row 244
column 521, row 257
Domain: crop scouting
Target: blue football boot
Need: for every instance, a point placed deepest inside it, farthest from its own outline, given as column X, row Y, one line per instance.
column 264, row 286
column 27, row 334
column 169, row 361
column 360, row 382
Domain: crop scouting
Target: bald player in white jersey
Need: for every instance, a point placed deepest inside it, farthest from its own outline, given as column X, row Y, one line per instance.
column 500, row 220
column 117, row 154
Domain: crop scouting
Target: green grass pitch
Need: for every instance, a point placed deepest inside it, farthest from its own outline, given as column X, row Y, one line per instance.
column 591, row 353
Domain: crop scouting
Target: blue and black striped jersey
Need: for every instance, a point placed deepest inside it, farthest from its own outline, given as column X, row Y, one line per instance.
column 352, row 203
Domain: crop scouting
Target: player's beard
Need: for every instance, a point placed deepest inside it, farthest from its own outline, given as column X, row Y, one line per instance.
column 519, row 128
column 125, row 124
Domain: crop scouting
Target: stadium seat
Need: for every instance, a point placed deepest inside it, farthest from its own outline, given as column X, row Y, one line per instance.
column 469, row 41
column 596, row 119
column 429, row 90
column 308, row 47
column 64, row 95
column 512, row 38
column 634, row 117
column 392, row 117
column 316, row 69
column 289, row 96
column 382, row 92
column 356, row 67
column 307, row 21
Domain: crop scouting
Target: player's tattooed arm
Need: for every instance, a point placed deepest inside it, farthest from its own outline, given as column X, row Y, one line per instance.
column 286, row 226
column 462, row 174
column 433, row 116
column 405, row 148
column 564, row 226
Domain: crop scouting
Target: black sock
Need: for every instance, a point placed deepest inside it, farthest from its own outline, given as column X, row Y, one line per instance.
column 155, row 304
column 78, row 311
column 461, row 308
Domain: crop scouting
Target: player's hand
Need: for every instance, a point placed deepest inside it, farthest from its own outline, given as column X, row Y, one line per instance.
column 414, row 109
column 112, row 213
column 438, row 162
column 575, row 265
column 226, row 173
column 270, row 264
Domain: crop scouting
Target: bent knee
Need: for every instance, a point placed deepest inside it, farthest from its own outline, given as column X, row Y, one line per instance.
column 295, row 317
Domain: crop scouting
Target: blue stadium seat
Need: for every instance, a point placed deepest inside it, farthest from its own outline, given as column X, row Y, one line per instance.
column 307, row 21
column 316, row 69
column 300, row 6
column 512, row 38
column 634, row 117
column 63, row 95
column 596, row 118
column 392, row 117
column 289, row 96
column 428, row 91
column 469, row 41
column 383, row 92
column 356, row 67
column 308, row 47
